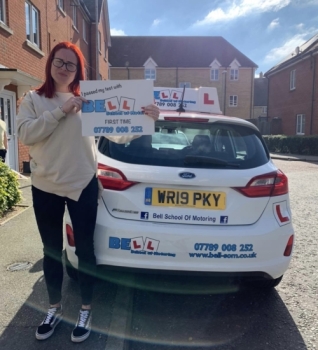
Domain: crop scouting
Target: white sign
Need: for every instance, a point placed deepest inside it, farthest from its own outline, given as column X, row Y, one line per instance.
column 203, row 99
column 115, row 107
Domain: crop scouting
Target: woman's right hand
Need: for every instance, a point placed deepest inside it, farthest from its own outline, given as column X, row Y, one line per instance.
column 73, row 103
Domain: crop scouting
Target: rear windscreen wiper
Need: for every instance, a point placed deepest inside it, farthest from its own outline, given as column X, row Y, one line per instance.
column 192, row 160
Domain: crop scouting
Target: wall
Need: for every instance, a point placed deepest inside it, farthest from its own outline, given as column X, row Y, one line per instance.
column 286, row 104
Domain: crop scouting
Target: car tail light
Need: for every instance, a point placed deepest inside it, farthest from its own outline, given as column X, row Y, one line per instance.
column 289, row 246
column 267, row 185
column 70, row 235
column 113, row 179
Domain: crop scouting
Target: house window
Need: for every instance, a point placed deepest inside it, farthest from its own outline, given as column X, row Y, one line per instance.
column 60, row 4
column 234, row 74
column 300, row 126
column 214, row 74
column 2, row 11
column 233, row 100
column 264, row 109
column 184, row 83
column 105, row 50
column 74, row 15
column 84, row 30
column 292, row 80
column 32, row 23
column 150, row 74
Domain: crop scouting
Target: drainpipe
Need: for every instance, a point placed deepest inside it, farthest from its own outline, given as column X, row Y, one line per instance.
column 313, row 67
column 97, row 49
column 177, row 77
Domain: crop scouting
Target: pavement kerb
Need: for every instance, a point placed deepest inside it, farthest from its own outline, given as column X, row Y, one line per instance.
column 294, row 157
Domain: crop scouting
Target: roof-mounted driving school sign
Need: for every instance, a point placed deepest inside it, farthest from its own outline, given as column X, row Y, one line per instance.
column 115, row 107
column 203, row 99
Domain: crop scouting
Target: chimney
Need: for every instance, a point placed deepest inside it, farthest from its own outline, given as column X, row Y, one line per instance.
column 261, row 74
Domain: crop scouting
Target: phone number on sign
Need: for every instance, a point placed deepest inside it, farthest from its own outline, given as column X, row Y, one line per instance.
column 118, row 129
column 225, row 247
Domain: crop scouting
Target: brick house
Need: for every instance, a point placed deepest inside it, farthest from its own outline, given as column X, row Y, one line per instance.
column 293, row 90
column 28, row 31
column 192, row 61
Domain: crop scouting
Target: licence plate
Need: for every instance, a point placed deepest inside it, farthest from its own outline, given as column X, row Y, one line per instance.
column 164, row 197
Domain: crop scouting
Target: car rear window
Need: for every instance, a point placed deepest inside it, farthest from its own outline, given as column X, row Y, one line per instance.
column 192, row 145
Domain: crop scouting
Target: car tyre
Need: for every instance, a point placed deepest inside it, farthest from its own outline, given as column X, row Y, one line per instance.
column 70, row 270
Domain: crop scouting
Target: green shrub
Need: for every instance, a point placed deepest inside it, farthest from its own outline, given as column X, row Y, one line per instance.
column 306, row 145
column 10, row 194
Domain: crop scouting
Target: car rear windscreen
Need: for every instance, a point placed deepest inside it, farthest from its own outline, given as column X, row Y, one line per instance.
column 192, row 145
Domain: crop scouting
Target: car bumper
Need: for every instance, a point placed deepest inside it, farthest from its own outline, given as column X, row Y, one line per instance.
column 259, row 250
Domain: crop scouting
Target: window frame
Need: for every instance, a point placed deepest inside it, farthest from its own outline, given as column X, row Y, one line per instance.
column 234, row 74
column 84, row 30
column 60, row 4
column 186, row 83
column 32, row 9
column 3, row 18
column 214, row 74
column 300, row 126
column 292, row 80
column 74, row 15
column 150, row 74
column 99, row 42
column 233, row 101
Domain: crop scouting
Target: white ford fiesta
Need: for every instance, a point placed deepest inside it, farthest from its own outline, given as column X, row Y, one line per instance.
column 200, row 195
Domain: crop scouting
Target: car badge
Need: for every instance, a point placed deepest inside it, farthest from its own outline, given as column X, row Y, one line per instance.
column 187, row 175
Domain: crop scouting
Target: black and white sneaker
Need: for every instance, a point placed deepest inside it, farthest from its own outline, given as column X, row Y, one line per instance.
column 82, row 328
column 53, row 317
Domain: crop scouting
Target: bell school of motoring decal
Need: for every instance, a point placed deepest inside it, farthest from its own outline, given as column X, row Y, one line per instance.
column 114, row 107
column 203, row 99
column 139, row 245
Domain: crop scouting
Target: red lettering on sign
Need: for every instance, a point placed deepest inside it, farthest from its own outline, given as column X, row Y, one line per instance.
column 280, row 216
column 125, row 106
column 175, row 96
column 163, row 95
column 136, row 246
column 206, row 100
column 149, row 246
column 110, row 105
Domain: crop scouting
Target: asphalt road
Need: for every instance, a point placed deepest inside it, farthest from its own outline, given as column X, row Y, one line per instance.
column 140, row 312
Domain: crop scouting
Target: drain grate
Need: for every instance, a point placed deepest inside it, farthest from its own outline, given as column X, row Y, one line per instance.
column 19, row 266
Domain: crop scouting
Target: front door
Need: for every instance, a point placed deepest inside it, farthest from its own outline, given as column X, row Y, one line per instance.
column 7, row 113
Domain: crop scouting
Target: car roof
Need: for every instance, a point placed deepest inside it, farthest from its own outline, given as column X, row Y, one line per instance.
column 211, row 118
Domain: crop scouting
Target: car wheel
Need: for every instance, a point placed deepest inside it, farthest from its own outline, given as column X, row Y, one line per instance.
column 71, row 271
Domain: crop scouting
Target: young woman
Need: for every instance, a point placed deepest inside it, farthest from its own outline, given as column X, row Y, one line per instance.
column 63, row 167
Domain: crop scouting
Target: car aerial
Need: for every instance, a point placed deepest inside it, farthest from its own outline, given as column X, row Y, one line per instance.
column 216, row 204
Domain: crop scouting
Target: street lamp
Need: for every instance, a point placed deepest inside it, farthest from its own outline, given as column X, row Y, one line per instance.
column 127, row 67
column 224, row 92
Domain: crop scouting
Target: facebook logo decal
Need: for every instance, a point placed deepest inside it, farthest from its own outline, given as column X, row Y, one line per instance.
column 224, row 219
column 144, row 215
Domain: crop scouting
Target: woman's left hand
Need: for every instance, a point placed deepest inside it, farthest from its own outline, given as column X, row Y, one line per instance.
column 151, row 111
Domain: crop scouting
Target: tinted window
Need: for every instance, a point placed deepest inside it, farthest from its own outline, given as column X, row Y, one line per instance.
column 192, row 145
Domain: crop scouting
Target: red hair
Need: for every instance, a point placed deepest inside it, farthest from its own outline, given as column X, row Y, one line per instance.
column 47, row 87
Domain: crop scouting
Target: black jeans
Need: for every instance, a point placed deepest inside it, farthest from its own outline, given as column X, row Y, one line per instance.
column 49, row 212
column 3, row 153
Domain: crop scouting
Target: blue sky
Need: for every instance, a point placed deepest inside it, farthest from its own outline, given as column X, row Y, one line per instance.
column 265, row 31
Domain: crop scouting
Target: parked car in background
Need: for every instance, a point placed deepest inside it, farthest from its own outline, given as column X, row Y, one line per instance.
column 215, row 205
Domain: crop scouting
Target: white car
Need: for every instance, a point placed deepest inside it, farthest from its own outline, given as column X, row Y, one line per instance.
column 218, row 205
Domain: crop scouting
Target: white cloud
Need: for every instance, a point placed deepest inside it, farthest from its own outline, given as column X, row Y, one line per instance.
column 156, row 22
column 274, row 24
column 276, row 54
column 242, row 8
column 114, row 31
